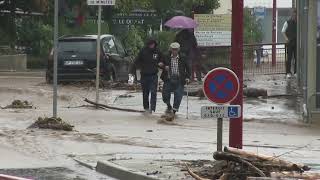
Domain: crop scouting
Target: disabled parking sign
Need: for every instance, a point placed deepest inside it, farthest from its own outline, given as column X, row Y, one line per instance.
column 220, row 111
column 221, row 86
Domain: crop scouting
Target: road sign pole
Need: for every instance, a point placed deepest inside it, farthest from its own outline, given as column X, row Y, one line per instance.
column 274, row 32
column 98, row 55
column 55, row 59
column 235, row 132
column 219, row 134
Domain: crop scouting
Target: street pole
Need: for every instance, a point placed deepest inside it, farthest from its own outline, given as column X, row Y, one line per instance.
column 219, row 134
column 55, row 59
column 98, row 55
column 274, row 32
column 236, row 124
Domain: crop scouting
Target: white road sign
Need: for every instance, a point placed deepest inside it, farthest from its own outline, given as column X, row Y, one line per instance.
column 101, row 2
column 224, row 111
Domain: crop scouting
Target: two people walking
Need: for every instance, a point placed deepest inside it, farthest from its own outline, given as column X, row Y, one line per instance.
column 176, row 73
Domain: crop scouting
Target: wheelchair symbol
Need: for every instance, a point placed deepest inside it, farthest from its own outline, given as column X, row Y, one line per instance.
column 232, row 112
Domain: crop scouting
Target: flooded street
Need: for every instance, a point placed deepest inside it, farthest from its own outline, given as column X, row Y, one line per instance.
column 272, row 126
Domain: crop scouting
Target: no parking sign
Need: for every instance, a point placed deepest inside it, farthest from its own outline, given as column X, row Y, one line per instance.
column 221, row 86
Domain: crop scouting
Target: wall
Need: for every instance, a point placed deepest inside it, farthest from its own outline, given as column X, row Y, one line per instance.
column 13, row 62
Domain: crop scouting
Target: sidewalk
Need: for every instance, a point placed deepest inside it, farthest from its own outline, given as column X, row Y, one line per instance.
column 29, row 73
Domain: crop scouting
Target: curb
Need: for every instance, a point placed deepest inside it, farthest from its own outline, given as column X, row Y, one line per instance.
column 23, row 74
column 7, row 177
column 120, row 172
column 87, row 165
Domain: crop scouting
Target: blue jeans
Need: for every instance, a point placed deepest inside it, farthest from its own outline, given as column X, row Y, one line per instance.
column 149, row 85
column 168, row 88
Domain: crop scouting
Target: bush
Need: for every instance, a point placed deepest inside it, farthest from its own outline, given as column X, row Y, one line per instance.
column 35, row 36
column 133, row 40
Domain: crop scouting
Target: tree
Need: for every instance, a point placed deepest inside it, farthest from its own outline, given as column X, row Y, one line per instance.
column 252, row 28
column 9, row 22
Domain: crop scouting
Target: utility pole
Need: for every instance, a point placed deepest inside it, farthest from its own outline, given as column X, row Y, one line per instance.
column 274, row 32
column 55, row 58
column 236, row 125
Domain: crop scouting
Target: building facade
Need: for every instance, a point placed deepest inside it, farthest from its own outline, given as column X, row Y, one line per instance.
column 309, row 57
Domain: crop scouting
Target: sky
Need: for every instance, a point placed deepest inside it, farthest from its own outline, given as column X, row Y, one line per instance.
column 268, row 3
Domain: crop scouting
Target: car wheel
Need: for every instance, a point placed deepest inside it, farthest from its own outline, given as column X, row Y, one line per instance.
column 49, row 78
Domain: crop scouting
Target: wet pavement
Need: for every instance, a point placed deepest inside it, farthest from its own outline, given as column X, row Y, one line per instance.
column 282, row 109
column 104, row 134
column 53, row 173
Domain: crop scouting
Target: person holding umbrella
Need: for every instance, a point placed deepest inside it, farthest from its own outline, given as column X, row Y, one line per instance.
column 148, row 61
column 187, row 40
column 175, row 75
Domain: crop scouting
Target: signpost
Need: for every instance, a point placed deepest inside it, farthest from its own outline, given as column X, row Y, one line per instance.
column 55, row 60
column 99, row 3
column 221, row 86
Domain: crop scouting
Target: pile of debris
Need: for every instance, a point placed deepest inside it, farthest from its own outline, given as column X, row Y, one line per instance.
column 18, row 104
column 234, row 164
column 52, row 123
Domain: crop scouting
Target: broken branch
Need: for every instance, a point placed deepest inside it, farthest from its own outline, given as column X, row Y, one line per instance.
column 111, row 107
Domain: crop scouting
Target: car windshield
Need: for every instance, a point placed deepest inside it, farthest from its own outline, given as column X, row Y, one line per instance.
column 77, row 46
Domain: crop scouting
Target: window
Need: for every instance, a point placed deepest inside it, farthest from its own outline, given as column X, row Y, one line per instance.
column 109, row 46
column 120, row 48
column 80, row 46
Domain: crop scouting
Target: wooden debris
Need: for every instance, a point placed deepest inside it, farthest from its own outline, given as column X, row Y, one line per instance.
column 195, row 176
column 246, row 165
column 235, row 158
column 52, row 123
column 111, row 107
column 309, row 176
column 255, row 92
column 269, row 160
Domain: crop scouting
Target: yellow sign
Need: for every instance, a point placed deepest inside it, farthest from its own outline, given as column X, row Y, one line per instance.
column 213, row 29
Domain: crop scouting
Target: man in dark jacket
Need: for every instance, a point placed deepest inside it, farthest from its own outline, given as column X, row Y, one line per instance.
column 175, row 75
column 289, row 31
column 148, row 61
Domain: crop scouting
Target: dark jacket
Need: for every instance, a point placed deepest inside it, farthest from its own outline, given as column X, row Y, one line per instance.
column 147, row 60
column 291, row 31
column 184, row 68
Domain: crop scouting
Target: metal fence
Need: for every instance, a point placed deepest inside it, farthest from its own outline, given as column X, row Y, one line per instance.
column 257, row 58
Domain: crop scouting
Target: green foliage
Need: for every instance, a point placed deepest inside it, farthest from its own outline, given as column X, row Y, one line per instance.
column 165, row 38
column 163, row 7
column 89, row 27
column 252, row 28
column 35, row 35
column 133, row 40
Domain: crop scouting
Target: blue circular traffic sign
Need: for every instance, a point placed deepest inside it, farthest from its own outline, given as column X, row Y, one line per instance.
column 221, row 85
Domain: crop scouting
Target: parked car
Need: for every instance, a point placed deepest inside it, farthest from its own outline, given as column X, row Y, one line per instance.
column 77, row 59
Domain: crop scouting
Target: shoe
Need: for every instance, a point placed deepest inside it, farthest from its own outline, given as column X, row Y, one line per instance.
column 288, row 75
column 295, row 74
column 169, row 109
column 174, row 111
